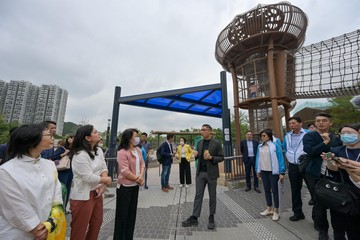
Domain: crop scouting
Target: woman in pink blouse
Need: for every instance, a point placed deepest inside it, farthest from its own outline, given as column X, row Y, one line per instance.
column 131, row 176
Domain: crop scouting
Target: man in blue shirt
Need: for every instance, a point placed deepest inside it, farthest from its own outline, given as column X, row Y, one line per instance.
column 146, row 145
column 48, row 153
column 293, row 146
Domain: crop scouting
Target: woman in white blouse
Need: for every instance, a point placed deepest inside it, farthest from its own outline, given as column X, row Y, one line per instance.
column 29, row 185
column 90, row 180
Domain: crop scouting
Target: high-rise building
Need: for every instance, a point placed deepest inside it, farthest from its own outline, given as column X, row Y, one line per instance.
column 26, row 103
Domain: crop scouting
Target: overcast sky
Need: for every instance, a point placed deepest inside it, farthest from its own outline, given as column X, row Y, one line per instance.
column 88, row 47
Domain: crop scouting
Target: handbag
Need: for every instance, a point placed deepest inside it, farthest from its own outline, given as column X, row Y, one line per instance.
column 304, row 161
column 337, row 196
column 64, row 163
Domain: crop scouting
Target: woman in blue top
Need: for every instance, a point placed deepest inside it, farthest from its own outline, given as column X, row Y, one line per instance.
column 270, row 166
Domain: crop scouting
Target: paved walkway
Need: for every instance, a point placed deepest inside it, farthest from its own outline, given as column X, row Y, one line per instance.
column 160, row 214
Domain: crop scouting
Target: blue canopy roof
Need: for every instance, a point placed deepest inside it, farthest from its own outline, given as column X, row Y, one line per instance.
column 201, row 100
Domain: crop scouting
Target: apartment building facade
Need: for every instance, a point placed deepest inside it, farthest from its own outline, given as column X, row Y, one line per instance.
column 27, row 103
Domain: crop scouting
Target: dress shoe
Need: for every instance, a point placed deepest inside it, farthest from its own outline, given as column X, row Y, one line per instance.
column 247, row 189
column 311, row 202
column 257, row 190
column 164, row 189
column 170, row 188
column 297, row 217
column 146, row 187
column 267, row 212
column 211, row 224
column 191, row 221
column 323, row 235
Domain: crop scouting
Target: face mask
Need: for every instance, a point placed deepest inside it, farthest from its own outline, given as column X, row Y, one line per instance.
column 100, row 144
column 181, row 143
column 349, row 138
column 137, row 141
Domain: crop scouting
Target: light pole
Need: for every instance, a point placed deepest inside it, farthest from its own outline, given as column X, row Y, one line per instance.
column 108, row 133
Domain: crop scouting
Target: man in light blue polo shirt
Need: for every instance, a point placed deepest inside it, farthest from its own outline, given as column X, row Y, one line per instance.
column 293, row 146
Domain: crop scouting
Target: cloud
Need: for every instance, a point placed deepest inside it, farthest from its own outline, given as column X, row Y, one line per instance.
column 89, row 47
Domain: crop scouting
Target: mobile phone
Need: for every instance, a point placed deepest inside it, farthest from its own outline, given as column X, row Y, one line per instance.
column 336, row 159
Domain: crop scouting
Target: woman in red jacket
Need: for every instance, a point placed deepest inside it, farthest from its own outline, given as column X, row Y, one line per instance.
column 131, row 176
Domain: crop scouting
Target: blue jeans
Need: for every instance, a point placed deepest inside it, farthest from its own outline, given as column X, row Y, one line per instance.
column 165, row 174
column 270, row 181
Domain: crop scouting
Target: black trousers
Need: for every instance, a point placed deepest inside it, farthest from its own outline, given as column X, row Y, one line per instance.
column 342, row 224
column 125, row 215
column 319, row 215
column 296, row 180
column 185, row 171
column 250, row 167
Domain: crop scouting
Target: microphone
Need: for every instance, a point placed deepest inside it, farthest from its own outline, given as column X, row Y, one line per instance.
column 356, row 101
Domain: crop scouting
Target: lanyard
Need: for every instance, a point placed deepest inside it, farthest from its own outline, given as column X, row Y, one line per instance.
column 347, row 155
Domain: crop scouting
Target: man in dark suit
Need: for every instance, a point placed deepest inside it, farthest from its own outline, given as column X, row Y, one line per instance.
column 209, row 153
column 315, row 143
column 248, row 149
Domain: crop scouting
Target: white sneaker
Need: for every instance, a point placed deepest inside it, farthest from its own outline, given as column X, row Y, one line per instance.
column 267, row 212
column 186, row 185
column 180, row 186
column 276, row 216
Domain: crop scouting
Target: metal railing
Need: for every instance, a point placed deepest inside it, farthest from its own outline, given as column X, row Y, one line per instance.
column 234, row 168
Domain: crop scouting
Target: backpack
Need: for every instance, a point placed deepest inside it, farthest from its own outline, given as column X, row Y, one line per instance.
column 159, row 157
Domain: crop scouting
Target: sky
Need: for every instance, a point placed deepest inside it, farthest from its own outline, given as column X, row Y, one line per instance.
column 88, row 47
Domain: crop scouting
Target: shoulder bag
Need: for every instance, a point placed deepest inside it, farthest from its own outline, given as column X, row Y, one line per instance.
column 337, row 196
column 64, row 163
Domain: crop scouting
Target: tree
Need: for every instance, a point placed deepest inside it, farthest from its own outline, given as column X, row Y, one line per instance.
column 343, row 112
column 244, row 125
column 5, row 128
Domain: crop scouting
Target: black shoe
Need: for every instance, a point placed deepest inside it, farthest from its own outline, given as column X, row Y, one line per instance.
column 257, row 190
column 247, row 189
column 146, row 187
column 191, row 221
column 211, row 224
column 297, row 217
column 311, row 202
column 323, row 235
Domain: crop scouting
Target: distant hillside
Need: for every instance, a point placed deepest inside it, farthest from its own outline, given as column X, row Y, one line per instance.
column 70, row 128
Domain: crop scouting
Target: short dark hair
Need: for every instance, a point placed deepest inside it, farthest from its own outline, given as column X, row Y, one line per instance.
column 24, row 138
column 208, row 126
column 323, row 114
column 356, row 127
column 80, row 142
column 268, row 132
column 126, row 137
column 309, row 125
column 183, row 139
column 248, row 131
column 298, row 119
column 144, row 133
column 169, row 136
column 48, row 122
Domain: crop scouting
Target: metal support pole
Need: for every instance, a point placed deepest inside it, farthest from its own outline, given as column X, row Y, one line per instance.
column 115, row 121
column 236, row 110
column 226, row 122
column 273, row 94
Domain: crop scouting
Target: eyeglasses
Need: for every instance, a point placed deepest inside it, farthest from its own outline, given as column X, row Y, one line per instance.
column 48, row 134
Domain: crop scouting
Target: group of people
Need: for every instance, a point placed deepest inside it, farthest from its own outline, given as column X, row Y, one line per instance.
column 266, row 161
column 31, row 156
